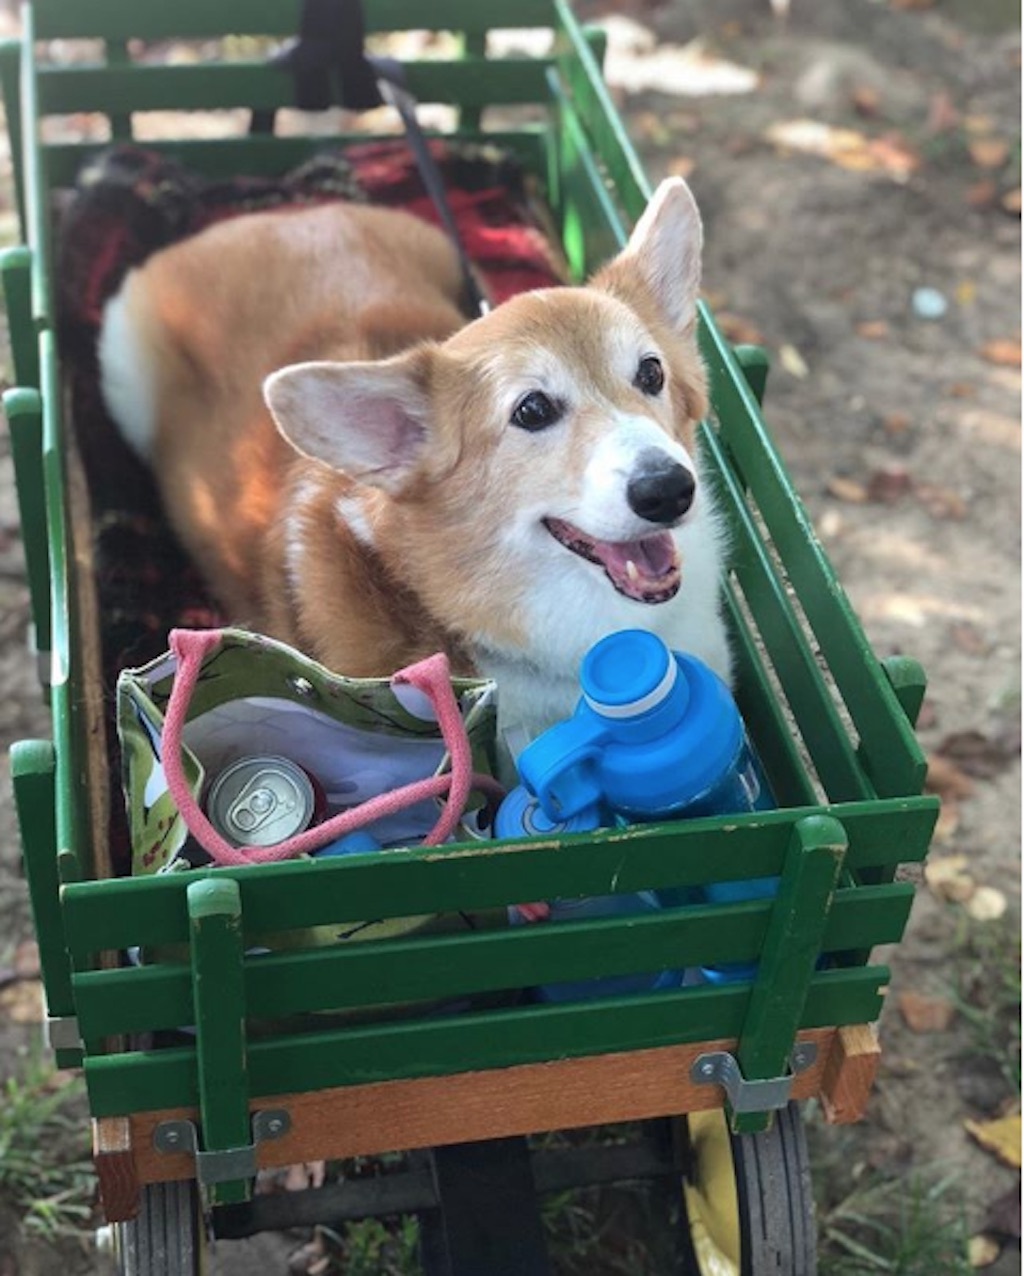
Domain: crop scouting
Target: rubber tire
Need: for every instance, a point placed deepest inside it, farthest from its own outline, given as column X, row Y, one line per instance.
column 166, row 1236
column 775, row 1197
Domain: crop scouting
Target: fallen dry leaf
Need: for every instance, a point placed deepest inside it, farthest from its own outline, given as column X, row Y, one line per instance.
column 983, row 1250
column 960, row 390
column 943, row 115
column 847, row 489
column 897, row 422
column 1011, row 202
column 947, row 779
column 926, row 1014
column 982, row 194
column 979, row 125
column 889, row 483
column 988, row 152
column 793, row 361
column 1001, row 1137
column 969, row 639
column 1005, row 352
column 941, row 502
column 894, row 155
column 978, row 754
column 890, row 154
column 866, row 100
column 682, row 166
column 987, row 904
column 873, row 329
column 22, row 1002
column 948, row 878
column 740, row 331
column 650, row 126
column 948, row 824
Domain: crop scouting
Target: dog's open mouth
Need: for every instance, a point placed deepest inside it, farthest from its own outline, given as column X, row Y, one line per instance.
column 646, row 570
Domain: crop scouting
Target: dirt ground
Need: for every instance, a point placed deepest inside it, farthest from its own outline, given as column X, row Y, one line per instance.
column 845, row 157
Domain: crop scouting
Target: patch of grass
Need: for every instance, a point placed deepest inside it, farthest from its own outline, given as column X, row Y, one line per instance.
column 986, row 992
column 898, row 1227
column 626, row 1228
column 617, row 1230
column 372, row 1247
column 45, row 1171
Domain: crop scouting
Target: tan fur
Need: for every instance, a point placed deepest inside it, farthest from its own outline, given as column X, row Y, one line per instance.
column 369, row 571
column 225, row 309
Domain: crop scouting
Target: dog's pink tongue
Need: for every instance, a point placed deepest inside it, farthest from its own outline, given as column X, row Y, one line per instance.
column 652, row 557
column 646, row 570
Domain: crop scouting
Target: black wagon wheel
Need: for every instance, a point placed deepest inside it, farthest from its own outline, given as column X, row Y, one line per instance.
column 748, row 1204
column 166, row 1238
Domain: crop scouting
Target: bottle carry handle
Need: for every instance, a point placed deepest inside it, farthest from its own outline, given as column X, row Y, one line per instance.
column 431, row 676
column 560, row 767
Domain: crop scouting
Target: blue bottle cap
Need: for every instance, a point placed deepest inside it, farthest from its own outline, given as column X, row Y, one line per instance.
column 521, row 815
column 628, row 673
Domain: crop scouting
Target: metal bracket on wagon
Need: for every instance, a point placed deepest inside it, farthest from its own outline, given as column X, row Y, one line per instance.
column 719, row 1067
column 62, row 1032
column 229, row 1163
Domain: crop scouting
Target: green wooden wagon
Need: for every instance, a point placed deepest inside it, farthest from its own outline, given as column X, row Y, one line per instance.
column 193, row 1120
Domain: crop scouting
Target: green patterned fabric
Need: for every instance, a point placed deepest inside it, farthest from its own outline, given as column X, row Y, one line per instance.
column 259, row 697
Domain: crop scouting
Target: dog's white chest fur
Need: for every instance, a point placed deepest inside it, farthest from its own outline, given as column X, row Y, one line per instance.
column 572, row 605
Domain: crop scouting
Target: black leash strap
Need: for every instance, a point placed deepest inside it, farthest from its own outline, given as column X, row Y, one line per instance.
column 330, row 47
column 394, row 90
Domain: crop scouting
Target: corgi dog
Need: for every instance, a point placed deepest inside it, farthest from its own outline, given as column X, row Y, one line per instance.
column 362, row 473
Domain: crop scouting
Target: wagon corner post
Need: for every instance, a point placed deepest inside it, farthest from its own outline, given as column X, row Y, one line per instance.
column 791, row 950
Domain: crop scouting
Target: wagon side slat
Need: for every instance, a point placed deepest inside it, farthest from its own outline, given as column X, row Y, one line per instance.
column 124, row 912
column 110, row 90
column 127, row 19
column 888, row 745
column 792, row 657
column 444, row 967
column 445, row 1045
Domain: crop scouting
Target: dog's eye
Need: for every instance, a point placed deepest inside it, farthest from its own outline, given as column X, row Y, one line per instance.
column 650, row 375
column 536, row 411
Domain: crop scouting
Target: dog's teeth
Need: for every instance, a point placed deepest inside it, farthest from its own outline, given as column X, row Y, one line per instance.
column 631, row 571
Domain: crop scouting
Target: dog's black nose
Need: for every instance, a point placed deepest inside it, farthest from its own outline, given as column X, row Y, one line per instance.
column 661, row 491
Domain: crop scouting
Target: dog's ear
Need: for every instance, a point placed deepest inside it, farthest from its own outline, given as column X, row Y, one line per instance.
column 663, row 256
column 372, row 420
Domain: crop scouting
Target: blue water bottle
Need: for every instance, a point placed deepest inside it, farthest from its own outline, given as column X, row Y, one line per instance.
column 521, row 815
column 656, row 735
column 360, row 842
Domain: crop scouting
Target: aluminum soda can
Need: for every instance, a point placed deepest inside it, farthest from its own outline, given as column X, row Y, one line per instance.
column 261, row 801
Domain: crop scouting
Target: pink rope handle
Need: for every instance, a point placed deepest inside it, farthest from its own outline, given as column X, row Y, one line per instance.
column 431, row 676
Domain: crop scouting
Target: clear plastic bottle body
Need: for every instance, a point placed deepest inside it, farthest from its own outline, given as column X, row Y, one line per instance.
column 520, row 815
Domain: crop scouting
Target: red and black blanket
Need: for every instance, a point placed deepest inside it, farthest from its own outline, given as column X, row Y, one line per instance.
column 131, row 202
